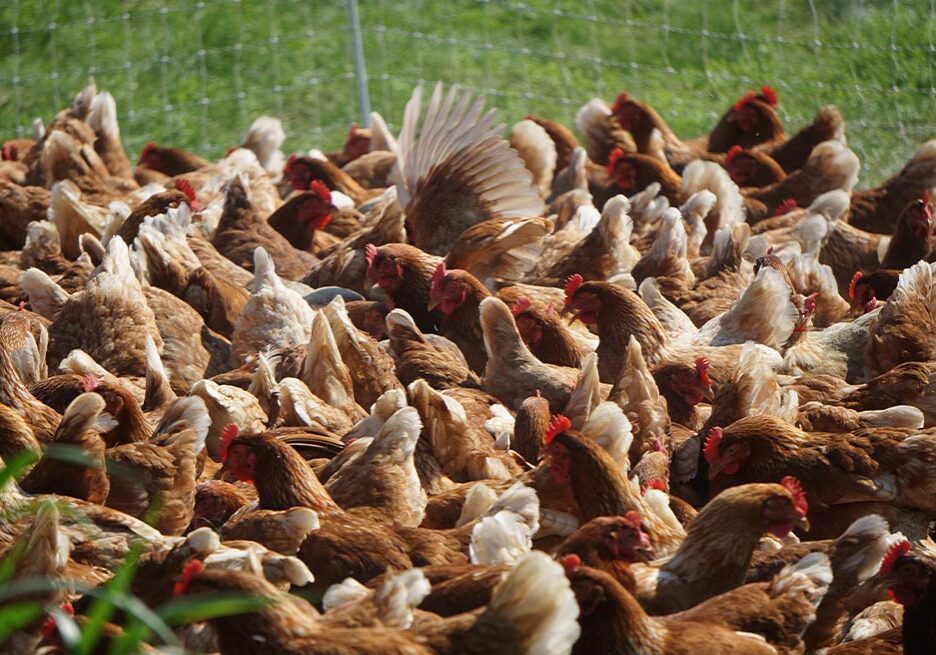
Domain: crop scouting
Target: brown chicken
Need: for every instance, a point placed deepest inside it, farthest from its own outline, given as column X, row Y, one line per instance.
column 868, row 466
column 440, row 183
column 598, row 486
column 242, row 229
column 876, row 210
column 335, row 550
column 545, row 334
column 404, row 274
column 303, row 215
column 457, row 295
column 719, row 543
column 169, row 160
column 613, row 622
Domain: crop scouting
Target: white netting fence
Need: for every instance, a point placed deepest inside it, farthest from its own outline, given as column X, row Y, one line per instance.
column 195, row 73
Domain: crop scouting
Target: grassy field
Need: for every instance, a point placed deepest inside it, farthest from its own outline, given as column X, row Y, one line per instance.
column 196, row 74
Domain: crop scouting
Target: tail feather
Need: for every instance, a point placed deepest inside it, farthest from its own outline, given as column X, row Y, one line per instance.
column 811, row 576
column 587, row 393
column 158, row 390
column 381, row 137
column 500, row 539
column 538, row 152
column 325, row 373
column 45, row 296
column 399, row 596
column 673, row 319
column 536, row 603
column 608, row 426
column 728, row 209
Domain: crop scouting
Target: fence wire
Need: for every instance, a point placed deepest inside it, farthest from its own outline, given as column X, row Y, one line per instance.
column 196, row 74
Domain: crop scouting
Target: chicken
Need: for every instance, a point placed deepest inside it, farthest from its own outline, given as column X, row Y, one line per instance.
column 546, row 335
column 902, row 329
column 38, row 551
column 875, row 210
column 419, row 358
column 714, row 557
column 335, row 550
column 532, row 610
column 599, row 486
column 275, row 316
column 21, row 205
column 156, row 478
column 605, row 253
column 242, row 230
column 512, row 373
column 455, row 138
column 169, row 160
column 909, row 576
column 781, row 611
column 457, row 295
column 831, row 166
column 302, row 215
column 867, row 466
column 404, row 274
column 612, row 621
column 76, row 436
column 750, row 121
column 111, row 310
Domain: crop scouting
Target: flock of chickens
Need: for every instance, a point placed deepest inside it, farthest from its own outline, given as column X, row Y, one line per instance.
column 464, row 394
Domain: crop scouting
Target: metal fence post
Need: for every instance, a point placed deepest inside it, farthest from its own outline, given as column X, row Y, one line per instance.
column 360, row 73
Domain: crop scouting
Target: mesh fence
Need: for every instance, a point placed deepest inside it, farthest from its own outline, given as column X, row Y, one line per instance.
column 196, row 73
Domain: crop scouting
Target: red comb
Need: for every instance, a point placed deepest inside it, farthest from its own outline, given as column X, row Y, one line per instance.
column 799, row 496
column 49, row 626
column 572, row 283
column 633, row 519
column 712, row 444
column 228, row 433
column 926, row 197
column 571, row 563
column 894, row 553
column 520, row 306
column 768, row 94
column 785, row 207
column 745, row 100
column 733, row 152
column 654, row 484
column 613, row 159
column 191, row 569
column 438, row 277
column 558, row 425
column 186, row 187
column 227, row 153
column 853, row 284
column 289, row 164
column 702, row 367
column 619, row 103
column 90, row 382
column 322, row 190
column 352, row 132
column 147, row 149
column 9, row 152
column 370, row 252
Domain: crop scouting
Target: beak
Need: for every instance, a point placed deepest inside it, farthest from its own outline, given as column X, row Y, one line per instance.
column 802, row 523
column 708, row 394
column 433, row 304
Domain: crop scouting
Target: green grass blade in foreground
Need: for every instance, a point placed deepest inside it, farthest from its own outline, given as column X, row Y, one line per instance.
column 16, row 616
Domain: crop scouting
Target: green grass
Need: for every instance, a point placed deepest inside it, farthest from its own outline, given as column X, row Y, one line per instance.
column 199, row 73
